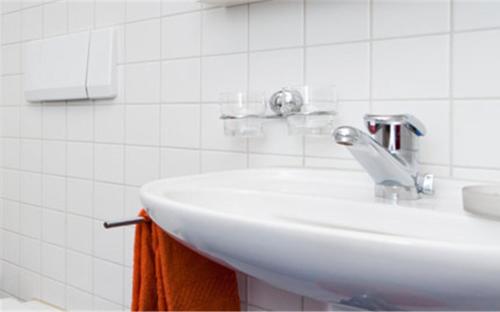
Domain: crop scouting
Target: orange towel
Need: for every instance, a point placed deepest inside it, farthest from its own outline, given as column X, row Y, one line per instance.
column 171, row 277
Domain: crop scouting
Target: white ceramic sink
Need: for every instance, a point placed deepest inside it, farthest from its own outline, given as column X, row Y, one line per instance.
column 323, row 234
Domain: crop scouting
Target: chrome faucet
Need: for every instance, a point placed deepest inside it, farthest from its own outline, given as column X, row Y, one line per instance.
column 389, row 154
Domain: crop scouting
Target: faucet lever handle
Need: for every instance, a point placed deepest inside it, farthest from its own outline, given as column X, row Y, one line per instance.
column 374, row 122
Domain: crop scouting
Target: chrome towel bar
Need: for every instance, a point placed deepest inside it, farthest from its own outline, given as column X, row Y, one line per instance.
column 113, row 224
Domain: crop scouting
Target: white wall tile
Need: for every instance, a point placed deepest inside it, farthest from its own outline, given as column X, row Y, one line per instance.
column 109, row 13
column 476, row 67
column 178, row 162
column 180, row 125
column 79, row 233
column 346, row 66
column 11, row 59
column 330, row 21
column 79, row 270
column 54, row 192
column 138, row 10
column 262, row 161
column 108, row 201
column 31, row 155
column 410, row 17
column 279, row 143
column 11, row 28
column 11, row 246
column 220, row 74
column 470, row 118
column 54, row 157
column 11, row 184
column 476, row 14
column 29, row 285
column 53, row 292
column 78, row 300
column 225, row 30
column 32, row 221
column 108, row 245
column 31, row 122
column 181, row 80
column 10, row 218
column 11, row 92
column 142, row 40
column 276, row 24
column 79, row 197
column 271, row 71
column 181, row 35
column 108, row 280
column 109, row 123
column 30, row 254
column 142, row 124
column 54, row 121
column 108, row 164
column 55, row 18
column 80, row 15
column 169, row 7
column 31, row 187
column 31, row 23
column 80, row 159
column 11, row 153
column 411, row 68
column 142, row 83
column 10, row 6
column 80, row 120
column 217, row 161
column 10, row 121
column 142, row 164
column 53, row 227
column 53, row 262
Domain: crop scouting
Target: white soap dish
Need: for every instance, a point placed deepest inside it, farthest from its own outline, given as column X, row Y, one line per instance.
column 482, row 199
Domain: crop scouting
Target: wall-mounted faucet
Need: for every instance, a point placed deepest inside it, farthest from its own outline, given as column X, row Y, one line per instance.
column 389, row 154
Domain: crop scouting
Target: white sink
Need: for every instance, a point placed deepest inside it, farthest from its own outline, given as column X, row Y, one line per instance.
column 323, row 234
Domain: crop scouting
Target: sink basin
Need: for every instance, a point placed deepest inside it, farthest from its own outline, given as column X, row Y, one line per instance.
column 323, row 234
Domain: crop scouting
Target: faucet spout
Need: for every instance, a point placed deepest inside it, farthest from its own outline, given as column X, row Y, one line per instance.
column 394, row 178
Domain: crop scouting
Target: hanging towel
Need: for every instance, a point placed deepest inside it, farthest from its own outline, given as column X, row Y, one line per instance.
column 168, row 276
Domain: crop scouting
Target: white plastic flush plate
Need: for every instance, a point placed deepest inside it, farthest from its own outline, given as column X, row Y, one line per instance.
column 70, row 67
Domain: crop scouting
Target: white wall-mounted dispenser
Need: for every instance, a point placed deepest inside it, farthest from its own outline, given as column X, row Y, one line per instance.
column 71, row 67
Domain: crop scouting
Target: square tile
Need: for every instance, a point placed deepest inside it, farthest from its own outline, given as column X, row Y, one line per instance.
column 11, row 95
column 108, row 201
column 271, row 71
column 109, row 13
column 218, row 161
column 79, row 197
column 11, row 59
column 80, row 15
column 108, row 245
column 142, row 40
column 31, row 122
column 139, row 10
column 32, row 221
column 469, row 118
column 142, row 83
column 79, row 233
column 142, row 124
column 79, row 270
column 31, row 254
column 54, row 227
column 109, row 123
column 180, row 125
column 31, row 188
column 11, row 27
column 54, row 157
column 142, row 165
column 329, row 21
column 179, row 162
column 410, row 17
column 183, row 43
column 31, row 23
column 80, row 159
column 53, row 262
column 108, row 281
column 476, row 66
column 278, row 141
column 227, row 73
column 411, row 68
column 212, row 131
column 475, row 14
column 225, row 30
column 169, row 7
column 276, row 24
column 346, row 66
column 54, row 121
column 181, row 80
column 55, row 18
column 80, row 119
column 54, row 192
column 108, row 164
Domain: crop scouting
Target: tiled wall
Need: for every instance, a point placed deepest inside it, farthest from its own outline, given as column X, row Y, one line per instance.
column 68, row 166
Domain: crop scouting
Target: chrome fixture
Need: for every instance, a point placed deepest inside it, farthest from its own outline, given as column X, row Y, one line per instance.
column 307, row 110
column 389, row 154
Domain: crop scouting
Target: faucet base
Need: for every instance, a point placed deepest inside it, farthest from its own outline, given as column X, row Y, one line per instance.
column 395, row 192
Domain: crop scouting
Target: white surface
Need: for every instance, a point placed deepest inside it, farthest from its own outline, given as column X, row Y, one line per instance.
column 323, row 234
column 75, row 66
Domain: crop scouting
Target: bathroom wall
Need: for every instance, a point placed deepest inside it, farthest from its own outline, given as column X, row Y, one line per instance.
column 66, row 167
